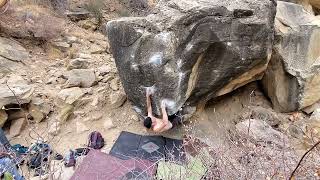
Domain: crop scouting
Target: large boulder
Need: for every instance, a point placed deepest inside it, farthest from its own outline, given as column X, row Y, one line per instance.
column 11, row 52
column 189, row 51
column 15, row 91
column 292, row 79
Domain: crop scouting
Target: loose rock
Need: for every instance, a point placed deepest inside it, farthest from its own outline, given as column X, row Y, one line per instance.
column 97, row 49
column 80, row 78
column 39, row 109
column 117, row 99
column 260, row 131
column 108, row 124
column 312, row 108
column 54, row 129
column 22, row 94
column 61, row 45
column 78, row 63
column 89, row 24
column 81, row 127
column 114, row 85
column 17, row 126
column 78, row 14
column 71, row 95
column 103, row 70
column 95, row 117
column 3, row 117
column 12, row 50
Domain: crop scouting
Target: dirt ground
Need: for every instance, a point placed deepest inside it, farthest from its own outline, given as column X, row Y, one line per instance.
column 93, row 111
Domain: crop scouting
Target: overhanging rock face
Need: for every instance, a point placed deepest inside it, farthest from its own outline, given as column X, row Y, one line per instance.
column 189, row 51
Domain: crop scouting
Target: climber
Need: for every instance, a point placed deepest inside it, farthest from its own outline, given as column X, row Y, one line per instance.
column 157, row 125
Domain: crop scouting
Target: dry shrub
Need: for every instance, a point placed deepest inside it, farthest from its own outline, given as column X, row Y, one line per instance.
column 58, row 5
column 239, row 157
column 95, row 7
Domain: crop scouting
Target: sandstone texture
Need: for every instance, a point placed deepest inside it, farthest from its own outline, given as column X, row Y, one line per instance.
column 292, row 80
column 190, row 51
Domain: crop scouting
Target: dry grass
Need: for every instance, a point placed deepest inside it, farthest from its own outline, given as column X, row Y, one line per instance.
column 96, row 7
column 58, row 5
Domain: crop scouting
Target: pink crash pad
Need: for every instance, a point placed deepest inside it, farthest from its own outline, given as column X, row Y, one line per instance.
column 100, row 166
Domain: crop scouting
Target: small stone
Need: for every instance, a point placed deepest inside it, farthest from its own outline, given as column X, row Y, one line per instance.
column 80, row 78
column 84, row 56
column 61, row 80
column 79, row 113
column 95, row 117
column 81, row 127
column 39, row 109
column 95, row 101
column 17, row 126
column 54, row 129
column 97, row 49
column 114, row 85
column 35, row 79
column 89, row 24
column 99, row 78
column 65, row 112
column 78, row 63
column 3, row 117
column 52, row 80
column 108, row 124
column 117, row 99
column 101, row 89
column 88, row 91
column 71, row 95
column 103, row 70
column 312, row 108
column 78, row 14
column 315, row 119
column 61, row 45
column 107, row 79
column 135, row 118
column 71, row 39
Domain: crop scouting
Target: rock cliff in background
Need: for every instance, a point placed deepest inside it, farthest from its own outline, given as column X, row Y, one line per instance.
column 189, row 51
column 292, row 79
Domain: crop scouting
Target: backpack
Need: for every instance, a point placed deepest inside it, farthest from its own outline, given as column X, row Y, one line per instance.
column 39, row 154
column 96, row 140
column 70, row 159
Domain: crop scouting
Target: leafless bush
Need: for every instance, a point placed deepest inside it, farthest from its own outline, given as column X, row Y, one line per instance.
column 96, row 7
column 239, row 157
column 58, row 5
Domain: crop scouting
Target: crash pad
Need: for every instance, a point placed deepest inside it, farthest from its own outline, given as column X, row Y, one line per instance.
column 153, row 148
column 100, row 166
column 193, row 170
